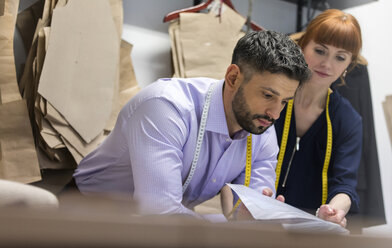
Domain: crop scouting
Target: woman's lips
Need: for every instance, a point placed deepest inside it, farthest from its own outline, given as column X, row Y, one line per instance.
column 322, row 74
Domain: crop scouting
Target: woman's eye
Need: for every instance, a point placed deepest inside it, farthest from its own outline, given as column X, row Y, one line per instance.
column 319, row 51
column 340, row 58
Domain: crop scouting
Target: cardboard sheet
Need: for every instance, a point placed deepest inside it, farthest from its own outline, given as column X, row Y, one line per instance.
column 51, row 136
column 208, row 41
column 18, row 158
column 9, row 90
column 68, row 133
column 127, row 74
column 60, row 145
column 81, row 65
column 128, row 85
column 75, row 154
column 75, row 144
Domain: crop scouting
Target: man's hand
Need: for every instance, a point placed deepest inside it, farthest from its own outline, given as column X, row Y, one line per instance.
column 268, row 192
column 326, row 212
column 244, row 214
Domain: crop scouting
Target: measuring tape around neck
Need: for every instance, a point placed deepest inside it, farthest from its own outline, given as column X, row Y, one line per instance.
column 200, row 136
column 328, row 150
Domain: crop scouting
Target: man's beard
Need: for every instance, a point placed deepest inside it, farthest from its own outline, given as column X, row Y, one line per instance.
column 244, row 117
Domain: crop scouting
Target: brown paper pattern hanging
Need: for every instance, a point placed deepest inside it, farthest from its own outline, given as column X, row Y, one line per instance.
column 208, row 41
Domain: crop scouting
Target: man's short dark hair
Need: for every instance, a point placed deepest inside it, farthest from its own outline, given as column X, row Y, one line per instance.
column 270, row 51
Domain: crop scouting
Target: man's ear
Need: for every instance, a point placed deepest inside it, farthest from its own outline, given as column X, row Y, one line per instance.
column 232, row 77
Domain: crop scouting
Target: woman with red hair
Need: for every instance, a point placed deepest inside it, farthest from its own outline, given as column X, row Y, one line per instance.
column 319, row 132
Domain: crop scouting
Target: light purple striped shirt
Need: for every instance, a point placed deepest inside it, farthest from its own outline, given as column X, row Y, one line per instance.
column 149, row 152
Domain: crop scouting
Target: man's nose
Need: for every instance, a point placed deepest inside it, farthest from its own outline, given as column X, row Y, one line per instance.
column 274, row 111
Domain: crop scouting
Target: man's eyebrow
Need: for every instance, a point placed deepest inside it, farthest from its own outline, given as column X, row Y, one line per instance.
column 272, row 90
column 276, row 93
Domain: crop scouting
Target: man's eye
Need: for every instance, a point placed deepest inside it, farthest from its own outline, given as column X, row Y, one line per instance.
column 267, row 95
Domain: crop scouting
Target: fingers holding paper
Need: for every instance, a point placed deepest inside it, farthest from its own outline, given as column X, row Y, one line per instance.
column 328, row 213
column 270, row 193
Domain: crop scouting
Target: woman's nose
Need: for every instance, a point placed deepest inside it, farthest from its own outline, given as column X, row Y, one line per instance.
column 326, row 62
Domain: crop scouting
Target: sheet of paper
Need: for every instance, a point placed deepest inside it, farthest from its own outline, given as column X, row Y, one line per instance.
column 269, row 209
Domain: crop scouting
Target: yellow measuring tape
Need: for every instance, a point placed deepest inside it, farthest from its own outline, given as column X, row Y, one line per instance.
column 283, row 144
column 248, row 169
column 328, row 150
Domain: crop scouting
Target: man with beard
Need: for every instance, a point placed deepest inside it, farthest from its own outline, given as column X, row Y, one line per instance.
column 179, row 141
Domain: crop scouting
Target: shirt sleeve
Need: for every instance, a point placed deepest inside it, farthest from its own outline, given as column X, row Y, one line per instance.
column 264, row 159
column 347, row 156
column 156, row 134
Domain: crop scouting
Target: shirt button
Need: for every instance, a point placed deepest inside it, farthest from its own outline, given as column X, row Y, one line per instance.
column 214, row 180
column 228, row 139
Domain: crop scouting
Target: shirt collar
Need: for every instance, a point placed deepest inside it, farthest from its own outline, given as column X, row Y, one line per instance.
column 216, row 120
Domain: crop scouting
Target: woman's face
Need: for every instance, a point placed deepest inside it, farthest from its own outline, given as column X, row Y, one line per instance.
column 326, row 62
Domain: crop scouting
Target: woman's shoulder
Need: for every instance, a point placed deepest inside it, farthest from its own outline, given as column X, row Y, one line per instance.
column 343, row 113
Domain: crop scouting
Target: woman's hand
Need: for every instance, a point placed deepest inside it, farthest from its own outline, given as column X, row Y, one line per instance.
column 328, row 213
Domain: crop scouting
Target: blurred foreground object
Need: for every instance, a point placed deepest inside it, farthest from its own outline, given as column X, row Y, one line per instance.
column 13, row 194
column 105, row 222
